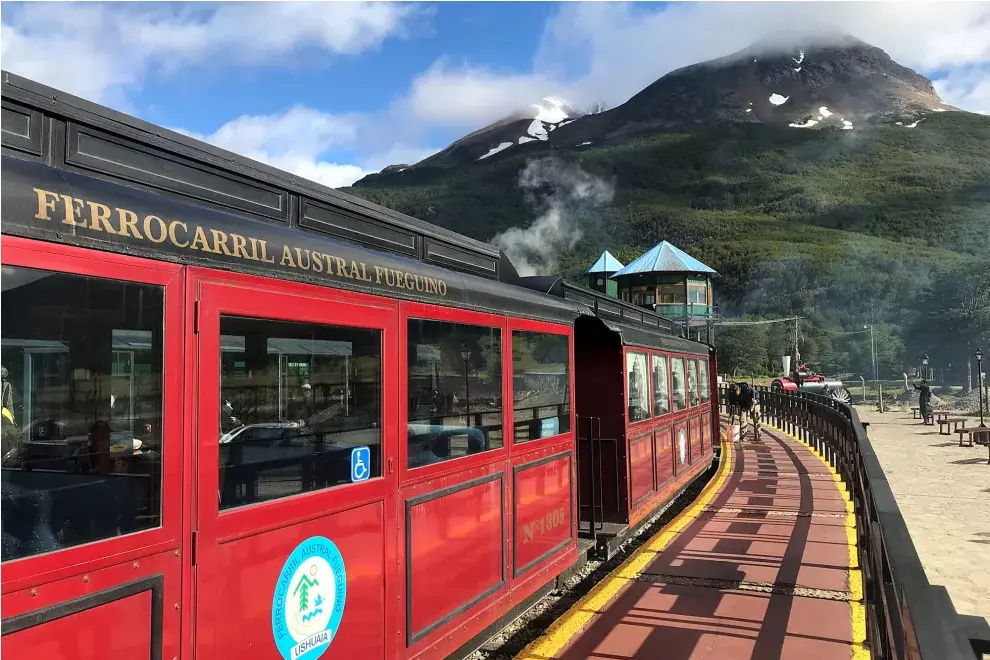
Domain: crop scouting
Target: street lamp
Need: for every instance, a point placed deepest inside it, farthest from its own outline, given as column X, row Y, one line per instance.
column 924, row 364
column 979, row 373
column 466, row 356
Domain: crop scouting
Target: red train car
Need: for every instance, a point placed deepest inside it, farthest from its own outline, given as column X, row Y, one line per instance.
column 646, row 415
column 252, row 417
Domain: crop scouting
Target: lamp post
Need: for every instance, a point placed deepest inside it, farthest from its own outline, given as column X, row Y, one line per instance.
column 873, row 356
column 979, row 373
column 924, row 367
column 466, row 356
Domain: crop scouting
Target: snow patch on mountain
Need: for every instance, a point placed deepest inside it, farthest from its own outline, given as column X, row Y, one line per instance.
column 495, row 150
column 552, row 110
column 777, row 99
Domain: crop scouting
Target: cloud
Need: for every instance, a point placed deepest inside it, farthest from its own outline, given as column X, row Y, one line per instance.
column 299, row 141
column 967, row 88
column 469, row 95
column 294, row 141
column 610, row 51
column 103, row 52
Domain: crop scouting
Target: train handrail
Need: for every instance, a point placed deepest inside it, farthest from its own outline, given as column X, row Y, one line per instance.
column 908, row 618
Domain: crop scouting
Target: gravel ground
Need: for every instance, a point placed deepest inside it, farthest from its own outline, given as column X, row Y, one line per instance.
column 514, row 638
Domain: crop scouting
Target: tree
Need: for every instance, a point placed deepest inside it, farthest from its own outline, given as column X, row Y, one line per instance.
column 955, row 314
column 742, row 350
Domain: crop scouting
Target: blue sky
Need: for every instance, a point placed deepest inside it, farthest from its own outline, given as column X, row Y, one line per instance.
column 335, row 90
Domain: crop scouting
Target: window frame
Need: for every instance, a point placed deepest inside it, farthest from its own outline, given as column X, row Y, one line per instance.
column 525, row 325
column 673, row 394
column 626, row 350
column 697, row 381
column 662, row 358
column 704, row 384
column 30, row 571
column 231, row 519
column 422, row 473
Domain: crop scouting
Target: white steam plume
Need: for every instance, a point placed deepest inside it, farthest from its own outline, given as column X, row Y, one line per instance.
column 567, row 195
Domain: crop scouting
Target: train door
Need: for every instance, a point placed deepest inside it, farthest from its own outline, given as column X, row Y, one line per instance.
column 294, row 388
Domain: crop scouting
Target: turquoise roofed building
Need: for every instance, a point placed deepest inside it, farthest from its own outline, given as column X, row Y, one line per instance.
column 600, row 274
column 671, row 282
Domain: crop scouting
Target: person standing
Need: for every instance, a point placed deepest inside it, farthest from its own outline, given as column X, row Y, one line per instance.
column 300, row 409
column 925, row 402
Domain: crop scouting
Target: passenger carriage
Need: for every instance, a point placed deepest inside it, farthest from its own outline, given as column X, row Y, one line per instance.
column 256, row 418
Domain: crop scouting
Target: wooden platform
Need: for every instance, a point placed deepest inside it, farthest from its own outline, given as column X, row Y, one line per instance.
column 762, row 565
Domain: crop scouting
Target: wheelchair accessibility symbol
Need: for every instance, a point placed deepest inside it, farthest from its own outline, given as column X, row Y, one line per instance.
column 360, row 463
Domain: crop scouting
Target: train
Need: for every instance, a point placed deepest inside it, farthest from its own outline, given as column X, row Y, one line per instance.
column 246, row 415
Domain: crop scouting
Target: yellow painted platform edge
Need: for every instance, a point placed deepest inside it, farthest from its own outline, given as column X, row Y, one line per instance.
column 574, row 620
column 857, row 604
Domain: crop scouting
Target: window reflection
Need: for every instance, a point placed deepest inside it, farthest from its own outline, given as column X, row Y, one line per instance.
column 82, row 409
column 296, row 400
column 661, row 386
column 703, row 379
column 680, row 384
column 454, row 389
column 693, row 381
column 540, row 385
column 639, row 397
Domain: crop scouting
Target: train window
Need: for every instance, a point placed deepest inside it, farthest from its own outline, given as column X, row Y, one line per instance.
column 82, row 409
column 454, row 390
column 703, row 379
column 693, row 382
column 541, row 396
column 296, row 400
column 638, row 391
column 661, row 386
column 680, row 386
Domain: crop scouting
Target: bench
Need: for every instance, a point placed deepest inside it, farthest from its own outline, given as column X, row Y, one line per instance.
column 980, row 433
column 915, row 413
column 941, row 415
column 943, row 424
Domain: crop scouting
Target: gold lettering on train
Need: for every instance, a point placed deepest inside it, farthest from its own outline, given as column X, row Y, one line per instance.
column 121, row 223
column 544, row 525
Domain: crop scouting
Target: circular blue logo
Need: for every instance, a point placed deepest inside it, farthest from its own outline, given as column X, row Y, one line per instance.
column 309, row 599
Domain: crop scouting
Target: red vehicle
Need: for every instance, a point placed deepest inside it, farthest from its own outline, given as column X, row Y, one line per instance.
column 251, row 417
column 814, row 383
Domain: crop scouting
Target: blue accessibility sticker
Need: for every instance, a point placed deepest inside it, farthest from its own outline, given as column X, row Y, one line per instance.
column 549, row 426
column 360, row 463
column 309, row 600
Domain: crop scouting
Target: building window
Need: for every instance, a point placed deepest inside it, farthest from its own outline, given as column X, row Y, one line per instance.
column 697, row 295
column 672, row 294
column 638, row 392
column 295, row 400
column 661, row 386
column 82, row 409
column 680, row 384
column 693, row 382
column 541, row 386
column 703, row 378
column 455, row 390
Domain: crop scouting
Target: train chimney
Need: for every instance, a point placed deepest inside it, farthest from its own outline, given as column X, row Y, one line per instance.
column 786, row 360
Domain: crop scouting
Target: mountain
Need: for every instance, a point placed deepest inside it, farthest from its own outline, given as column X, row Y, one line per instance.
column 842, row 225
column 817, row 80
